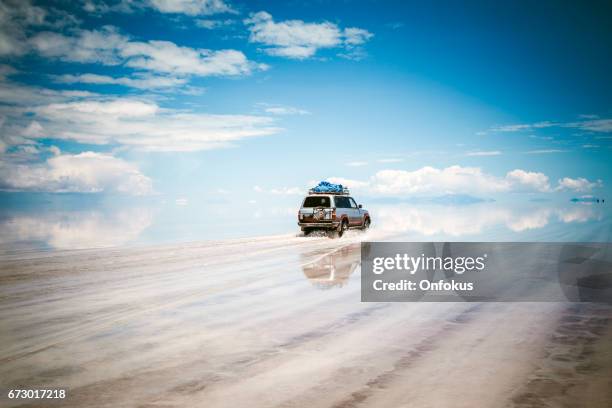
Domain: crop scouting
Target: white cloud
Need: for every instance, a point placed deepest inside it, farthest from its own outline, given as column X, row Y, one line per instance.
column 453, row 179
column 529, row 180
column 144, row 125
column 294, row 51
column 90, row 118
column 33, row 130
column 285, row 110
column 521, row 127
column 106, row 6
column 14, row 94
column 212, row 24
column 597, row 125
column 16, row 19
column 353, row 54
column 11, row 43
column 188, row 7
column 87, row 110
column 484, row 153
column 541, row 137
column 55, row 150
column 138, row 81
column 5, row 71
column 578, row 184
column 192, row 7
column 546, row 151
column 107, row 46
column 356, row 36
column 97, row 46
column 16, row 102
column 86, row 172
column 456, row 180
column 590, row 123
column 167, row 57
column 298, row 39
column 292, row 38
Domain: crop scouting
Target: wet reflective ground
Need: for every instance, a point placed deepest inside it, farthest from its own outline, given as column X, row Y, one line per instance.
column 277, row 321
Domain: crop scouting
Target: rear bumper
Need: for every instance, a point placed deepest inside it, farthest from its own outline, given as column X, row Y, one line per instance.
column 329, row 225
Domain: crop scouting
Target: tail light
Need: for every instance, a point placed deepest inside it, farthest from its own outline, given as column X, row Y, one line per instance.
column 333, row 214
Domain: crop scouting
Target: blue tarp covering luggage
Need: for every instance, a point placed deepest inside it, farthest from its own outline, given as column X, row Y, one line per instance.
column 327, row 187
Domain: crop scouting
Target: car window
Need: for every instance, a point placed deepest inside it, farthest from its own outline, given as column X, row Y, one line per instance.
column 342, row 202
column 314, row 201
column 353, row 203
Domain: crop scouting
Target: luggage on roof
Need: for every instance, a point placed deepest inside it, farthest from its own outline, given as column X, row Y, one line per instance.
column 325, row 187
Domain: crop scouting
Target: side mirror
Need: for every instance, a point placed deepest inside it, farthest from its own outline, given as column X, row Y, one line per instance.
column 360, row 206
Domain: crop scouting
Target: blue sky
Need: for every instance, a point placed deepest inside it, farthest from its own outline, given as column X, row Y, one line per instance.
column 253, row 101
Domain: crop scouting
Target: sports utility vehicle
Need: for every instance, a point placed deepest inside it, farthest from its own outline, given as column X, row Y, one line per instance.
column 335, row 211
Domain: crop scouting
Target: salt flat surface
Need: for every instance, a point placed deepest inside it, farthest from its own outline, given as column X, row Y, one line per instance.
column 275, row 321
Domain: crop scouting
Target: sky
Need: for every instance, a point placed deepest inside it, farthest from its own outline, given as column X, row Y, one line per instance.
column 253, row 102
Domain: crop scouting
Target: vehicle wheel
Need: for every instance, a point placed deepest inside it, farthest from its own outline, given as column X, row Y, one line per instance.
column 343, row 228
column 307, row 231
column 366, row 224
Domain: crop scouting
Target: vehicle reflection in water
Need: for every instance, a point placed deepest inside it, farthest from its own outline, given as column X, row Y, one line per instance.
column 329, row 270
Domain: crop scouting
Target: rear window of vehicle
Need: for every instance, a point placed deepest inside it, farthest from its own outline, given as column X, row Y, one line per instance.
column 310, row 202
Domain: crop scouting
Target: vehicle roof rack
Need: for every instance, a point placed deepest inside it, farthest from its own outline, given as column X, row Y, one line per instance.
column 345, row 191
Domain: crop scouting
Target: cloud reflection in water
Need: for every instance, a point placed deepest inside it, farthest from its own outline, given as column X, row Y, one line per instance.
column 75, row 229
column 476, row 219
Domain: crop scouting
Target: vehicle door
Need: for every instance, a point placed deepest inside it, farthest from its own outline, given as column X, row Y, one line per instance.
column 343, row 208
column 355, row 212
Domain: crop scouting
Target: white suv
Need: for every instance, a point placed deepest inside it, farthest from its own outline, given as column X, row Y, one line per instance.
column 333, row 212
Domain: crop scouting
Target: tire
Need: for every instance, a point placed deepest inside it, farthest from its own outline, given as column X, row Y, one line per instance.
column 343, row 228
column 366, row 224
column 307, row 231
